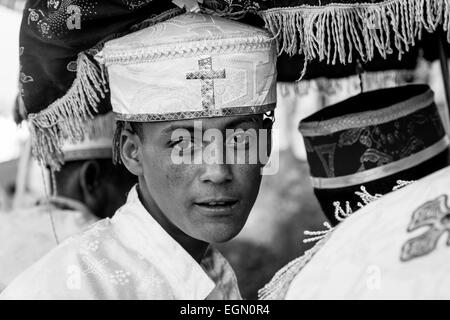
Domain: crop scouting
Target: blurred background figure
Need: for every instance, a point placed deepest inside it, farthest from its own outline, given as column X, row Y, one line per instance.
column 12, row 139
column 87, row 188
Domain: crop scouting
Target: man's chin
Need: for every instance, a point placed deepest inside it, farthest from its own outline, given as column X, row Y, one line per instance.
column 220, row 235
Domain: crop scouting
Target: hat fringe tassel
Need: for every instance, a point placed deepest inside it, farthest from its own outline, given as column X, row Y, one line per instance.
column 65, row 118
column 337, row 32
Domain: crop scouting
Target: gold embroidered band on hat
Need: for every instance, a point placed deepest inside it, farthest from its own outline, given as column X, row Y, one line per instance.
column 383, row 171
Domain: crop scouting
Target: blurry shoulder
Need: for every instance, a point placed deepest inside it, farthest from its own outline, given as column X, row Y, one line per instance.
column 21, row 212
column 23, row 225
column 18, row 219
column 41, row 213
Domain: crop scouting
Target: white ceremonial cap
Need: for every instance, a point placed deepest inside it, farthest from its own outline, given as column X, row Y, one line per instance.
column 191, row 66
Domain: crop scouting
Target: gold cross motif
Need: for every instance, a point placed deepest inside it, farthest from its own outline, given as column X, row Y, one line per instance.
column 206, row 75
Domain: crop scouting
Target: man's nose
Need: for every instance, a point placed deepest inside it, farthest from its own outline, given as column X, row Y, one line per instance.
column 216, row 173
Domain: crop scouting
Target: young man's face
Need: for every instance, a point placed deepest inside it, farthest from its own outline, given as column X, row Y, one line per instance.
column 208, row 200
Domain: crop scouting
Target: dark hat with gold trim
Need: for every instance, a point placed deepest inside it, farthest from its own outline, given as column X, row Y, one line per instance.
column 372, row 144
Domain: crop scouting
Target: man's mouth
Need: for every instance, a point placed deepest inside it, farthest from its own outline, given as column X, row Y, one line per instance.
column 217, row 205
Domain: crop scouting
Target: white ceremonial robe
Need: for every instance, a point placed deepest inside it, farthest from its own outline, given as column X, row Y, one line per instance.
column 397, row 247
column 129, row 256
column 26, row 235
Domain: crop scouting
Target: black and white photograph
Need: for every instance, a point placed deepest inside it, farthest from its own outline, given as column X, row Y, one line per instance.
column 235, row 150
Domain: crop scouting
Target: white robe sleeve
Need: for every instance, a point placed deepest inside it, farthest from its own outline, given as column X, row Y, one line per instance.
column 91, row 266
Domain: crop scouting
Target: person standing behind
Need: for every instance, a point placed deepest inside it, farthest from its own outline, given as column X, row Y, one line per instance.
column 88, row 188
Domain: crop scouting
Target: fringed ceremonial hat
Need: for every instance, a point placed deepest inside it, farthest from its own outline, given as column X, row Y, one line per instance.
column 159, row 67
column 372, row 144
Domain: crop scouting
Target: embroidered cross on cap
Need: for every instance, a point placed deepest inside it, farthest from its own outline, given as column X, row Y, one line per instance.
column 206, row 75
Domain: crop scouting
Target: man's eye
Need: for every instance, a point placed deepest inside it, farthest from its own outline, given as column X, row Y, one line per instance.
column 239, row 139
column 182, row 143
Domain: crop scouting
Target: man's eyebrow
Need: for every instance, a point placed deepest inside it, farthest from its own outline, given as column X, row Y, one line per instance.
column 240, row 120
column 190, row 126
column 169, row 129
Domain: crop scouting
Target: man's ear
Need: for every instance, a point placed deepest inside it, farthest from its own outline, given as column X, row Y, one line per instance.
column 130, row 152
column 90, row 178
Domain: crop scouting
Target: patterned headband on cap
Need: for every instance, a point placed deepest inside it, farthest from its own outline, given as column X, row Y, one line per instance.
column 355, row 148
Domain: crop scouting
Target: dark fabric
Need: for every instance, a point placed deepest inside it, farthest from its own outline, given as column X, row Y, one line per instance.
column 368, row 101
column 430, row 45
column 53, row 32
column 327, row 197
column 290, row 68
